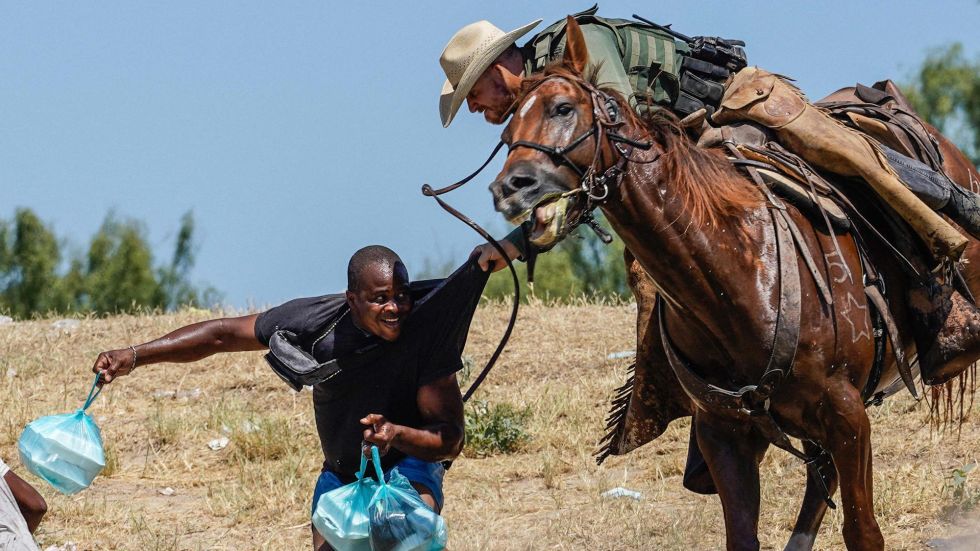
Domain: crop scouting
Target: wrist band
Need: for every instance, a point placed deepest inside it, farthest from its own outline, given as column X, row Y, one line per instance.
column 133, row 348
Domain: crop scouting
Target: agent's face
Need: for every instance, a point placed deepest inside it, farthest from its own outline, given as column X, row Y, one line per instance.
column 382, row 301
column 490, row 96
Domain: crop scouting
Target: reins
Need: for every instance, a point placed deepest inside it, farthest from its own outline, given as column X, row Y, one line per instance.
column 435, row 193
column 606, row 121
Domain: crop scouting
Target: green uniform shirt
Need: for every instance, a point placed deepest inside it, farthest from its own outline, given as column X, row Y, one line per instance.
column 641, row 63
column 604, row 59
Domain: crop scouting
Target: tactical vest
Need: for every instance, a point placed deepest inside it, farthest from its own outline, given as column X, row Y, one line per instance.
column 660, row 68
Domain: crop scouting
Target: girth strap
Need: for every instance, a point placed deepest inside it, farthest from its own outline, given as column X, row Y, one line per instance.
column 753, row 400
column 785, row 339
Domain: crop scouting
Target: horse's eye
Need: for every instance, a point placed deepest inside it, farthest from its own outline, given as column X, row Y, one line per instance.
column 563, row 109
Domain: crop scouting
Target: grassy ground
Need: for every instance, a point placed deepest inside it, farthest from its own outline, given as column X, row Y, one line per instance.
column 254, row 494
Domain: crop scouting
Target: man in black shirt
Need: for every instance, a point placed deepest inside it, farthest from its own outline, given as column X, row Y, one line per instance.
column 407, row 402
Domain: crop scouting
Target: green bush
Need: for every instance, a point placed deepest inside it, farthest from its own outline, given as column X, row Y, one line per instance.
column 957, row 487
column 497, row 428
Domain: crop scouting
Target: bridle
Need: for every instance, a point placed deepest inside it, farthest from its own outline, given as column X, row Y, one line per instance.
column 607, row 122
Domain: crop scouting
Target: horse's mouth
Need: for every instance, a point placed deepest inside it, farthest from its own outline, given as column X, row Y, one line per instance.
column 551, row 216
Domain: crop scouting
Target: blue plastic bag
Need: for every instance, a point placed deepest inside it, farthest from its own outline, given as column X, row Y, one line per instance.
column 401, row 521
column 64, row 450
column 341, row 515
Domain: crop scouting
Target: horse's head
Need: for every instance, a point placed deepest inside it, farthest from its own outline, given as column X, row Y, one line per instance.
column 555, row 144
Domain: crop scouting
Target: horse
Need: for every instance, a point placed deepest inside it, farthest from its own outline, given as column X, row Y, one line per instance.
column 718, row 248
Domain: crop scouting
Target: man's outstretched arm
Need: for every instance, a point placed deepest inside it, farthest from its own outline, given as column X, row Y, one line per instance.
column 187, row 344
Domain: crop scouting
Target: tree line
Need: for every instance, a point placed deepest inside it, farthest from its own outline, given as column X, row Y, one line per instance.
column 115, row 275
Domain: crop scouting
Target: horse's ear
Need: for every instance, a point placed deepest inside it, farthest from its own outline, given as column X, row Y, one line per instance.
column 576, row 54
column 511, row 81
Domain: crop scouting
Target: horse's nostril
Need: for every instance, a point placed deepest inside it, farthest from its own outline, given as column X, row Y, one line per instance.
column 518, row 182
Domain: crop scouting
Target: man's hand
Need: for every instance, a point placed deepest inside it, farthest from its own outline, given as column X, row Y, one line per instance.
column 114, row 363
column 380, row 432
column 490, row 257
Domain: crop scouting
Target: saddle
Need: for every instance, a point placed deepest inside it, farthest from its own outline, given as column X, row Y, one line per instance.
column 884, row 113
column 820, row 199
column 880, row 112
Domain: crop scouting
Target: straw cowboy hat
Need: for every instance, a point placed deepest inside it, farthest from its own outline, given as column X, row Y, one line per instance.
column 468, row 54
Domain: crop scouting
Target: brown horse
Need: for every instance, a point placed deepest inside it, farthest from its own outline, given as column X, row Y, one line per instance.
column 708, row 237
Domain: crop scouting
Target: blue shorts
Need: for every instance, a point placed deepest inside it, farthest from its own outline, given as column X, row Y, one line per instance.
column 415, row 470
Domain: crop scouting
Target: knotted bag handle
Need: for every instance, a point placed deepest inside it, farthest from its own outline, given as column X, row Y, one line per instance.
column 376, row 459
column 93, row 393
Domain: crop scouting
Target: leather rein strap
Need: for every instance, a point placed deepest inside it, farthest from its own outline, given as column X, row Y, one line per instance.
column 435, row 193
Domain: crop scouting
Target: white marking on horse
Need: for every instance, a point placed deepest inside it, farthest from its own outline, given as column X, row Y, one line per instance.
column 835, row 262
column 527, row 105
column 851, row 306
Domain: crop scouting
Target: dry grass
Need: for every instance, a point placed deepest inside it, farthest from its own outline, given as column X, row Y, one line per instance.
column 255, row 493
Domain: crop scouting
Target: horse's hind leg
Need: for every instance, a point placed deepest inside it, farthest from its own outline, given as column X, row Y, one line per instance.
column 848, row 434
column 733, row 451
column 814, row 505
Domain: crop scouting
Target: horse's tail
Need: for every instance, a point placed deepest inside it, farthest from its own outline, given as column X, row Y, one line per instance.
column 951, row 402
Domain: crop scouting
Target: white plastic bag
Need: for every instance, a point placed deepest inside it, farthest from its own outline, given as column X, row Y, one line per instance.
column 341, row 515
column 64, row 450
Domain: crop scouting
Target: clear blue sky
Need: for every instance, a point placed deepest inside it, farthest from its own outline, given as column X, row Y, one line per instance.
column 300, row 131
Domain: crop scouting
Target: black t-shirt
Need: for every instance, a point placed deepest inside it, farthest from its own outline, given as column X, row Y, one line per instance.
column 428, row 349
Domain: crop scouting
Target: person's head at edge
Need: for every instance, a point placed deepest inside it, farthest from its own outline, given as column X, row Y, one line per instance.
column 377, row 291
column 483, row 67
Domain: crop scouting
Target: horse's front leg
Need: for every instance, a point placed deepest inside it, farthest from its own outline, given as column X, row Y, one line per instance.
column 733, row 450
column 814, row 505
column 848, row 435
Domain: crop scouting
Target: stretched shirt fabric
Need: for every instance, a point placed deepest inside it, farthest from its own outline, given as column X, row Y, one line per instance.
column 14, row 534
column 378, row 376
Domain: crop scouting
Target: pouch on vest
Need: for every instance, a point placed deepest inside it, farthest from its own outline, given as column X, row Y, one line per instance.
column 64, row 450
column 652, row 60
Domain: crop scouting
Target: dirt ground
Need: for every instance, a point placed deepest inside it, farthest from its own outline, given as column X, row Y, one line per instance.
column 254, row 493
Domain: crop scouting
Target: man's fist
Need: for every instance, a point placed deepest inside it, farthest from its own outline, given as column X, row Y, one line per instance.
column 380, row 432
column 114, row 363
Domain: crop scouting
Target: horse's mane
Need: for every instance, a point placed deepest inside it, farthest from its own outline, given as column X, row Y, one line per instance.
column 710, row 186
